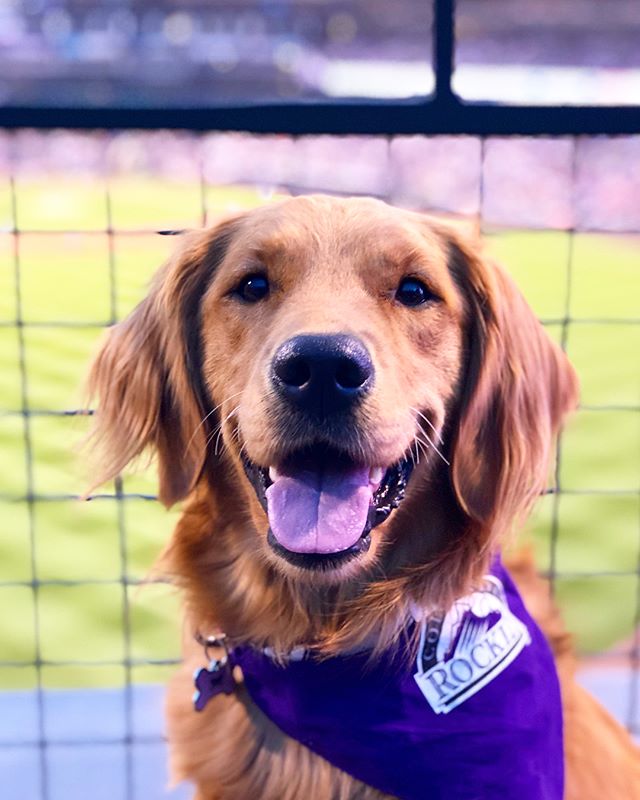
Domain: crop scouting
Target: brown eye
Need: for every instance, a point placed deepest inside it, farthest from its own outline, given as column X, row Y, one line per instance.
column 253, row 288
column 412, row 292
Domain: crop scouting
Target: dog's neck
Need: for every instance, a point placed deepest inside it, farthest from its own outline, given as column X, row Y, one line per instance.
column 230, row 587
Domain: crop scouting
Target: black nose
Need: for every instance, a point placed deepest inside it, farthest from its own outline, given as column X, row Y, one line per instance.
column 322, row 374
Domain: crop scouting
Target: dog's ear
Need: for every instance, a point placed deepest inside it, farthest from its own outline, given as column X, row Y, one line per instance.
column 147, row 375
column 517, row 388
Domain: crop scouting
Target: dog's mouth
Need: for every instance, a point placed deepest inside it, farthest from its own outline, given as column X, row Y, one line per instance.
column 322, row 505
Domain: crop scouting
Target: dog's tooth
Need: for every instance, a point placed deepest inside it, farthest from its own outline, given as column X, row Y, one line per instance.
column 376, row 474
column 273, row 474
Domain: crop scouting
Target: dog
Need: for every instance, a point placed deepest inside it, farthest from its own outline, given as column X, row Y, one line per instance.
column 357, row 407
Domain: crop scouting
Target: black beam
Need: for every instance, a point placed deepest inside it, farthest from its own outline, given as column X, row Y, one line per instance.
column 435, row 116
column 443, row 46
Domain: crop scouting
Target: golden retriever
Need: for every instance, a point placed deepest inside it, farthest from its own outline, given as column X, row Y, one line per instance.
column 357, row 407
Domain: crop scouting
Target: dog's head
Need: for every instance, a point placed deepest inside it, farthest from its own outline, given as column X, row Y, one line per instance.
column 357, row 377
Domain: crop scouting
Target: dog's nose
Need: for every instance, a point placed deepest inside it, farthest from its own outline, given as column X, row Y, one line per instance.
column 322, row 374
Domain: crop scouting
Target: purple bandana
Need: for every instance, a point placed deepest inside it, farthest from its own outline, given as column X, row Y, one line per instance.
column 478, row 717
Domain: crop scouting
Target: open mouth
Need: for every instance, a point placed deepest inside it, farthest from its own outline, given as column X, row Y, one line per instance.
column 322, row 505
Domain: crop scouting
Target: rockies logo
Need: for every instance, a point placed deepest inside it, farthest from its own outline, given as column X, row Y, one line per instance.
column 465, row 649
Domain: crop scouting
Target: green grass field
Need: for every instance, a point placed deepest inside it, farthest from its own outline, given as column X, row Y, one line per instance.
column 66, row 278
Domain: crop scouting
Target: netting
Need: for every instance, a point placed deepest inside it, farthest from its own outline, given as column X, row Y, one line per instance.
column 80, row 215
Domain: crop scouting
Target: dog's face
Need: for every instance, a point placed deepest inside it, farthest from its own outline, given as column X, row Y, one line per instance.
column 332, row 342
column 325, row 358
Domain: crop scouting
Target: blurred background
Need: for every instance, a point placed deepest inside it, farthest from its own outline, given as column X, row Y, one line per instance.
column 196, row 52
column 85, row 644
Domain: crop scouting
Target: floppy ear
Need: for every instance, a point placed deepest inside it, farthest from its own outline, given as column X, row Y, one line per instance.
column 147, row 375
column 517, row 390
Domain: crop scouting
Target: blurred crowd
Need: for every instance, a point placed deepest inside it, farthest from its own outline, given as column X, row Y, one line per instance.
column 139, row 53
column 585, row 183
column 135, row 52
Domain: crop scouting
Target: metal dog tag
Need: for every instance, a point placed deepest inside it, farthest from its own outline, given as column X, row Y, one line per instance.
column 210, row 681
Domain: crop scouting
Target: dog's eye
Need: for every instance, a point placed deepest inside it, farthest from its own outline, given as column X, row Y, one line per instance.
column 412, row 292
column 253, row 288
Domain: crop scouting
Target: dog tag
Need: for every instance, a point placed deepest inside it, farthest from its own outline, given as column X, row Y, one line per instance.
column 210, row 681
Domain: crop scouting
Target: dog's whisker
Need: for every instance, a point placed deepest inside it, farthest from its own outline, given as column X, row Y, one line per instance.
column 433, row 446
column 220, row 427
column 416, row 460
column 421, row 447
column 427, row 446
column 211, row 435
column 433, row 427
column 210, row 413
column 217, row 432
column 235, row 436
column 429, row 423
column 426, row 435
column 424, row 448
column 221, row 423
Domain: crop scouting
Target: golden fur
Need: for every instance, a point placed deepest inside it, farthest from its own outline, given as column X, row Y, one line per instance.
column 473, row 376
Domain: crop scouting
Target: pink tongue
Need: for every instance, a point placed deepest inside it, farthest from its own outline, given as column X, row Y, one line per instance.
column 319, row 512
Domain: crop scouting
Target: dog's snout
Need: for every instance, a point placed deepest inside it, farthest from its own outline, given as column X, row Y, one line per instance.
column 322, row 374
